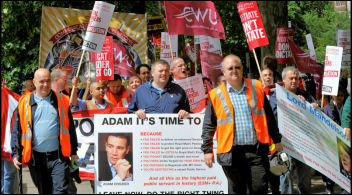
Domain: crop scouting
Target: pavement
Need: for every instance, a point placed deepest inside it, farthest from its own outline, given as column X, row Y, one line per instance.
column 85, row 188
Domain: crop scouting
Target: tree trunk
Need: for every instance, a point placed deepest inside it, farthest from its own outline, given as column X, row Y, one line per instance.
column 274, row 15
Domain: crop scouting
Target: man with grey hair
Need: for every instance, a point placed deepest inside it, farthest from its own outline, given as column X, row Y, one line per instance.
column 290, row 76
column 59, row 80
column 160, row 95
column 241, row 116
column 178, row 68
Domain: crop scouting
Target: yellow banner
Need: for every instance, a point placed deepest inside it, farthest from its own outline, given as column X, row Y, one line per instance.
column 63, row 31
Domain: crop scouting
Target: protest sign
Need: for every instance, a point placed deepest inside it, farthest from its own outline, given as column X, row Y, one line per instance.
column 165, row 51
column 252, row 24
column 282, row 49
column 194, row 89
column 98, row 26
column 165, row 156
column 63, row 31
column 344, row 41
column 193, row 18
column 310, row 46
column 105, row 61
column 313, row 138
column 333, row 58
column 84, row 124
column 209, row 44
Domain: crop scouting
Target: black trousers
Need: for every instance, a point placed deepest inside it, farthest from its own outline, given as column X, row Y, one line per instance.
column 248, row 172
column 50, row 174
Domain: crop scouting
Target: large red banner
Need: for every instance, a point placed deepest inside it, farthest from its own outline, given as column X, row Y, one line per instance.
column 282, row 50
column 252, row 24
column 193, row 18
column 105, row 61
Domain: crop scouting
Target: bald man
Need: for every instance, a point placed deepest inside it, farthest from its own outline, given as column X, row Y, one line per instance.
column 178, row 68
column 243, row 124
column 97, row 90
column 44, row 136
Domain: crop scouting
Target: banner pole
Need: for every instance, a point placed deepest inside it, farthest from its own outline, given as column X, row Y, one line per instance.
column 260, row 72
column 322, row 102
column 172, row 56
column 79, row 67
column 89, row 69
column 195, row 57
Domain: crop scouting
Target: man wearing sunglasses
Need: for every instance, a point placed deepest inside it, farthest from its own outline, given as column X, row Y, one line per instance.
column 241, row 116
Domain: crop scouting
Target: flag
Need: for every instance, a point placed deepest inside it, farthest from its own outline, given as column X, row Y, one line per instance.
column 305, row 64
column 9, row 102
column 193, row 18
column 303, row 61
column 211, row 64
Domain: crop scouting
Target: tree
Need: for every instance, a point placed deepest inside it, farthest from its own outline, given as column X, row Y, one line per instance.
column 320, row 20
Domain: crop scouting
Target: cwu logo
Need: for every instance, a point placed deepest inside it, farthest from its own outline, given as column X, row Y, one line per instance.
column 189, row 11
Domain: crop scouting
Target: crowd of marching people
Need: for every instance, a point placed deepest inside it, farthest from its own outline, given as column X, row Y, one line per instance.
column 242, row 111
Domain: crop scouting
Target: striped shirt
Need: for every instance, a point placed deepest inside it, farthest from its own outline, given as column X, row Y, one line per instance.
column 45, row 126
column 244, row 132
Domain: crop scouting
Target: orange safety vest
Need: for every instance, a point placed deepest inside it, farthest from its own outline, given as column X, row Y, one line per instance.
column 26, row 92
column 225, row 114
column 118, row 100
column 92, row 106
column 26, row 122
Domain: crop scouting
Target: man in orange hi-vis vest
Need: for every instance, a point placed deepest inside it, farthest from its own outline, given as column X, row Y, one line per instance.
column 44, row 136
column 241, row 116
column 117, row 94
column 97, row 90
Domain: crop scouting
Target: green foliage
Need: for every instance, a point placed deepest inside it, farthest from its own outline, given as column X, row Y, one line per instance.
column 20, row 34
column 320, row 20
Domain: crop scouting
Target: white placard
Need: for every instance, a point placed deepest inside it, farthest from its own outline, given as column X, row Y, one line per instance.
column 98, row 26
column 333, row 58
column 164, row 154
column 194, row 89
column 344, row 41
column 165, row 52
column 209, row 44
column 311, row 47
column 313, row 138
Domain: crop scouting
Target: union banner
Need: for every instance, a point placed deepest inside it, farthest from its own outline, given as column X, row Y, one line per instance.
column 63, row 31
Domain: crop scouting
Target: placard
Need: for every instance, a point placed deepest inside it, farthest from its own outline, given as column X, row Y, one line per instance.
column 333, row 58
column 282, row 49
column 163, row 156
column 313, row 138
column 105, row 61
column 252, row 24
column 98, row 26
column 165, row 52
column 344, row 41
column 194, row 89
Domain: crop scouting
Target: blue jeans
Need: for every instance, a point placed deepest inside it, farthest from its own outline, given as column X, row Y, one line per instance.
column 8, row 175
column 303, row 172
